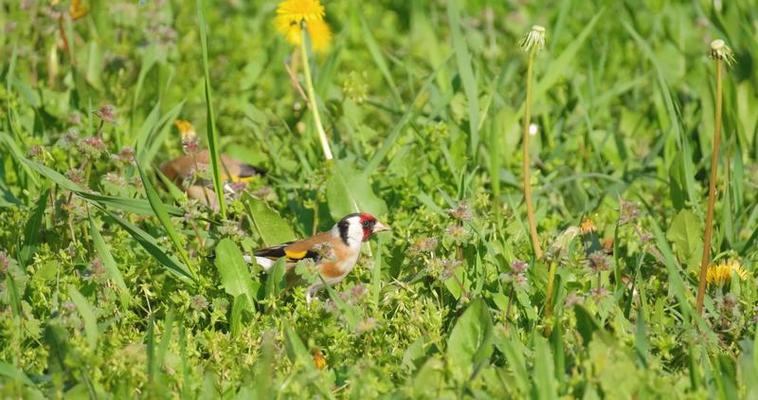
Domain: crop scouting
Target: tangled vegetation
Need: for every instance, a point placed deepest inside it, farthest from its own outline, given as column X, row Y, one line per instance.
column 435, row 116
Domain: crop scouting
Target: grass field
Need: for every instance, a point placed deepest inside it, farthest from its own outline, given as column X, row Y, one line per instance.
column 114, row 285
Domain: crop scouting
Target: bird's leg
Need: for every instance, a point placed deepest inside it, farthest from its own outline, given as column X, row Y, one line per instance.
column 311, row 292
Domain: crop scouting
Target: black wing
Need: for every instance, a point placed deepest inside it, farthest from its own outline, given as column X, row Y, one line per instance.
column 279, row 251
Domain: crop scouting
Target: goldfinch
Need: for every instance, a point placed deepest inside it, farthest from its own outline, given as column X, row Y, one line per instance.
column 184, row 167
column 334, row 252
column 183, row 170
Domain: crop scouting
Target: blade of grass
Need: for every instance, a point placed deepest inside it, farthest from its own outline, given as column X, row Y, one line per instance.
column 463, row 60
column 150, row 244
column 135, row 206
column 32, row 229
column 673, row 113
column 88, row 316
column 213, row 149
column 108, row 262
column 155, row 140
column 160, row 211
column 409, row 114
column 381, row 63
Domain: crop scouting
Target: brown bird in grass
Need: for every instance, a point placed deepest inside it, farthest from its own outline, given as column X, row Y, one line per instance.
column 184, row 171
column 335, row 252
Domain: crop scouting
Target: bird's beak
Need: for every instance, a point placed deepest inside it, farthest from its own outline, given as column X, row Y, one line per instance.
column 380, row 227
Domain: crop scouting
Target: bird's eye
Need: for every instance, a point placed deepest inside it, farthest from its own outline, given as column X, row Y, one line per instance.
column 365, row 224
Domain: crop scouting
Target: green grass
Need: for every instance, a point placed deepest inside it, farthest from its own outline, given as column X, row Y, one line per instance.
column 106, row 284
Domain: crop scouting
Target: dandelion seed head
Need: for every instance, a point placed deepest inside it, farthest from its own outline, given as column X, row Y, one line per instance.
column 534, row 39
column 720, row 51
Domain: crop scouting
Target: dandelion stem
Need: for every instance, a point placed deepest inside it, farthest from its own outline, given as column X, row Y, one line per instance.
column 312, row 96
column 525, row 166
column 708, row 234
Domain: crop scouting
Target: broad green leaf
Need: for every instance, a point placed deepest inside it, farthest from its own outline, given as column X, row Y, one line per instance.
column 272, row 228
column 88, row 316
column 239, row 305
column 544, row 374
column 470, row 342
column 430, row 378
column 585, row 324
column 514, row 352
column 235, row 275
column 348, row 191
column 275, row 281
column 686, row 235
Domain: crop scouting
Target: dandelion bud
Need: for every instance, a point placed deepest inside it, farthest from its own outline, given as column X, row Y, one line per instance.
column 720, row 51
column 534, row 39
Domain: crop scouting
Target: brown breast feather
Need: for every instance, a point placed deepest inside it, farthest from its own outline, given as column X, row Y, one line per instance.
column 331, row 248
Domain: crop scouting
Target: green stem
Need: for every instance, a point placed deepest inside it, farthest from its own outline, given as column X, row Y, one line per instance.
column 549, row 298
column 526, row 165
column 708, row 235
column 312, row 95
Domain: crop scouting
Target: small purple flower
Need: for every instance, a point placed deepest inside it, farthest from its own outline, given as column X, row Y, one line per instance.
column 107, row 113
column 35, row 152
column 599, row 261
column 70, row 138
column 629, row 212
column 366, row 325
column 425, row 245
column 599, row 292
column 358, row 291
column 5, row 262
column 462, row 212
column 114, row 179
column 519, row 266
column 75, row 175
column 199, row 303
column 92, row 146
column 125, row 155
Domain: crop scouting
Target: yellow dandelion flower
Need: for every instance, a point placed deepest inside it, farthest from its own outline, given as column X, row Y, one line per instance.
column 291, row 13
column 719, row 274
column 300, row 10
column 77, row 10
column 320, row 34
column 185, row 128
column 587, row 226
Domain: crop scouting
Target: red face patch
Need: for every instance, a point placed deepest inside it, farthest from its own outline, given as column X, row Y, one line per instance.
column 367, row 223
